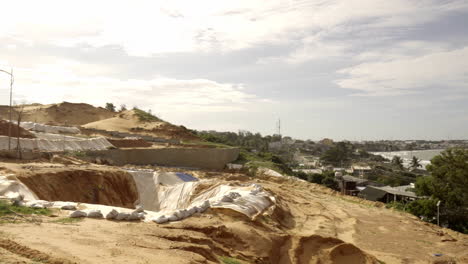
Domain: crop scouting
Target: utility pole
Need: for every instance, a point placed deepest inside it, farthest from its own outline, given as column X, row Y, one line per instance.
column 438, row 205
column 11, row 95
column 279, row 126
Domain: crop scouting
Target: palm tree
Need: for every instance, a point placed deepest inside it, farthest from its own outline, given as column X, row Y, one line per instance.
column 415, row 163
column 398, row 162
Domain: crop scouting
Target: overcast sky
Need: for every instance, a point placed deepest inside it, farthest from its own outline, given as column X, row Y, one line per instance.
column 344, row 69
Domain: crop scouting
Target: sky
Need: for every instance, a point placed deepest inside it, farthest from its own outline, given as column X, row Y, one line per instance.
column 341, row 69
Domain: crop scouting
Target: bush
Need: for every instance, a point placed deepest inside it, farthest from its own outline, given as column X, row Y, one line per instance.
column 145, row 116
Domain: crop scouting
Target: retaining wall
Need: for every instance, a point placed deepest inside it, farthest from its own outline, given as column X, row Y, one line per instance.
column 205, row 158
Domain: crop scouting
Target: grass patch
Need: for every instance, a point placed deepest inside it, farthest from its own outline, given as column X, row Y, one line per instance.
column 77, row 154
column 424, row 242
column 228, row 260
column 145, row 116
column 67, row 220
column 8, row 209
column 205, row 143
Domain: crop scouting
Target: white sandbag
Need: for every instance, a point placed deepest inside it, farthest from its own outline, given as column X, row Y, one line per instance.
column 112, row 214
column 139, row 209
column 95, row 214
column 134, row 216
column 173, row 217
column 77, row 214
column 16, row 198
column 64, row 205
column 68, row 207
column 161, row 219
column 122, row 216
column 39, row 204
column 192, row 210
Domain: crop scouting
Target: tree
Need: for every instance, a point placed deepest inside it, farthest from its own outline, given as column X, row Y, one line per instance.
column 123, row 107
column 110, row 107
column 415, row 163
column 330, row 182
column 398, row 161
column 448, row 183
column 339, row 153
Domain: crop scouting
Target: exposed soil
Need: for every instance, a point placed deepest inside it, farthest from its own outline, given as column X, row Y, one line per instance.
column 28, row 253
column 4, row 128
column 61, row 114
column 107, row 187
column 310, row 224
column 129, row 122
column 130, row 143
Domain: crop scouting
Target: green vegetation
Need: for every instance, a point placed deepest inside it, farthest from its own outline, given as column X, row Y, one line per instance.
column 398, row 162
column 415, row 163
column 447, row 183
column 228, row 260
column 7, row 209
column 67, row 220
column 253, row 161
column 327, row 178
column 110, row 107
column 338, row 154
column 145, row 116
column 244, row 139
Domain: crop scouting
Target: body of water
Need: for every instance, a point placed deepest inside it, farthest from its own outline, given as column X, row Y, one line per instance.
column 424, row 155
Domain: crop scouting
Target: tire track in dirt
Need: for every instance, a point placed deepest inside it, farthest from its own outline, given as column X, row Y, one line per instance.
column 29, row 253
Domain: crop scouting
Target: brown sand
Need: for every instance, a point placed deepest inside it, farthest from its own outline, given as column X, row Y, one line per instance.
column 107, row 187
column 4, row 128
column 61, row 114
column 310, row 224
column 128, row 121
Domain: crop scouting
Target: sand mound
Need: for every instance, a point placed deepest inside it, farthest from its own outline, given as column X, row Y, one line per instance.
column 325, row 250
column 110, row 187
column 60, row 114
column 14, row 130
column 129, row 121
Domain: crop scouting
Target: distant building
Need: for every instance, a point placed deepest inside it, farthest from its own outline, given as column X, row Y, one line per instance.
column 358, row 170
column 388, row 194
column 309, row 171
column 348, row 184
column 326, row 141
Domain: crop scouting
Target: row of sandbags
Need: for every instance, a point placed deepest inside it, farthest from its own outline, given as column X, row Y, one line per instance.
column 56, row 145
column 49, row 129
column 136, row 215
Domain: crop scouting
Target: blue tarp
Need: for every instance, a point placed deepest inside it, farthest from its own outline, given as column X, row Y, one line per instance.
column 186, row 177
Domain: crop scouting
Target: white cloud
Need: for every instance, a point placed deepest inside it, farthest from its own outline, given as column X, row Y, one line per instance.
column 147, row 27
column 405, row 74
column 66, row 80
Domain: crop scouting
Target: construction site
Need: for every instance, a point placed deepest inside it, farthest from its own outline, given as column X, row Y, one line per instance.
column 82, row 184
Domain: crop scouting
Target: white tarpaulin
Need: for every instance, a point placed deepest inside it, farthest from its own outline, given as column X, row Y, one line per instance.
column 39, row 144
column 12, row 188
column 49, row 129
column 165, row 196
column 169, row 192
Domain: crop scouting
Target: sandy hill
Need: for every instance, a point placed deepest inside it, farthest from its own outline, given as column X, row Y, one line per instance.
column 60, row 114
column 139, row 122
column 310, row 224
